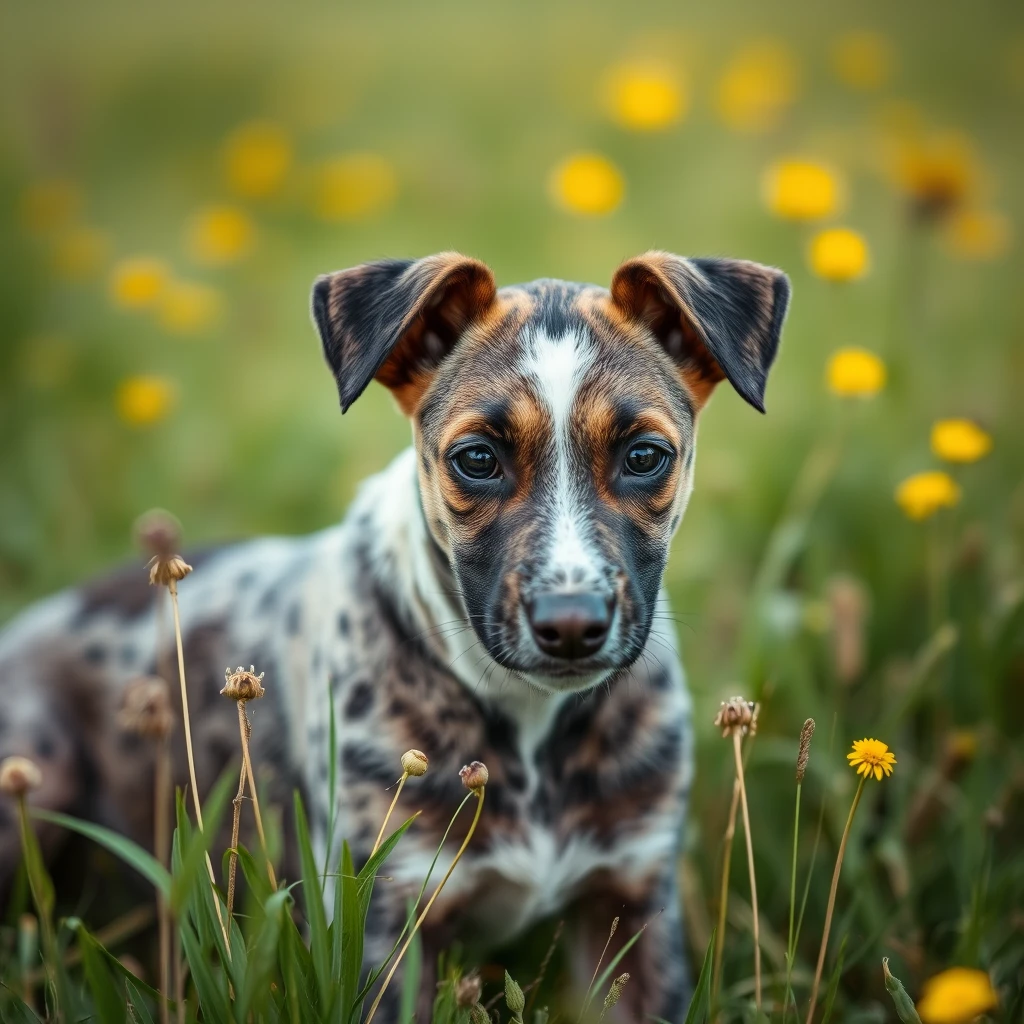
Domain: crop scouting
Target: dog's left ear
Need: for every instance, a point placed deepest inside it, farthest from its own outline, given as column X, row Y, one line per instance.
column 396, row 320
column 716, row 318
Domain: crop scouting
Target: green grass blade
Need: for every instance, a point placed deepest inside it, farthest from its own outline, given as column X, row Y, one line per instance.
column 211, row 986
column 138, row 1009
column 108, row 997
column 263, row 958
column 411, row 980
column 15, row 1009
column 319, row 939
column 353, row 924
column 700, row 1003
column 833, row 983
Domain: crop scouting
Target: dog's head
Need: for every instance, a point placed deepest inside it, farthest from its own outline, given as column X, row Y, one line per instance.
column 555, row 427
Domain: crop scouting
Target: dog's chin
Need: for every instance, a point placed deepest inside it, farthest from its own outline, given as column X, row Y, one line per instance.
column 551, row 676
column 569, row 681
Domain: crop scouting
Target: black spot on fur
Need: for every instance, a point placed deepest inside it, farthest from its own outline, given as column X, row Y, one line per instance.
column 364, row 764
column 95, row 654
column 344, row 626
column 359, row 702
column 293, row 622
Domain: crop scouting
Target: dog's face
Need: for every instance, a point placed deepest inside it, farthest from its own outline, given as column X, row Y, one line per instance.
column 555, row 426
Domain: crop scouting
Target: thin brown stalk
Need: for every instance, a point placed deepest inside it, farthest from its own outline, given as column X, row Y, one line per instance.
column 161, row 844
column 172, row 587
column 736, row 745
column 832, row 902
column 245, row 729
column 723, row 896
column 430, row 903
column 387, row 817
column 236, row 823
column 600, row 960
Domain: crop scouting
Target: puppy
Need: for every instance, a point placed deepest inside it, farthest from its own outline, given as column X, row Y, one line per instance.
column 491, row 596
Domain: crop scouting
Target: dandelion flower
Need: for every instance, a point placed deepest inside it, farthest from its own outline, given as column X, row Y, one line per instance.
column 960, row 440
column 49, row 204
column 757, row 86
column 937, row 171
column 221, row 234
column 587, row 184
column 19, row 775
column 839, row 254
column 645, row 96
column 871, row 757
column 257, row 157
column 855, row 373
column 923, row 494
column 188, row 307
column 957, row 996
column 353, row 187
column 145, row 400
column 801, row 190
column 977, row 235
column 138, row 282
column 862, row 60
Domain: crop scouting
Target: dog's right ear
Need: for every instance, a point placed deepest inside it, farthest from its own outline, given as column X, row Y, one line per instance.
column 396, row 320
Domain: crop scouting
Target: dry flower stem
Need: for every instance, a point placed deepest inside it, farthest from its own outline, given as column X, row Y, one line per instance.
column 736, row 742
column 387, row 817
column 832, row 901
column 236, row 823
column 161, row 808
column 790, row 950
column 723, row 896
column 430, row 903
column 244, row 729
column 172, row 586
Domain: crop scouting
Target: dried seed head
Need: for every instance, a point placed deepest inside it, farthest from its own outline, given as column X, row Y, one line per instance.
column 478, row 1015
column 414, row 762
column 737, row 714
column 158, row 533
column 474, row 775
column 467, row 990
column 514, row 998
column 243, row 685
column 165, row 570
column 804, row 753
column 19, row 775
column 146, row 708
column 615, row 991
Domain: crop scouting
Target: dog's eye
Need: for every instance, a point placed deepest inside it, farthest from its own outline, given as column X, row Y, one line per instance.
column 645, row 459
column 476, row 462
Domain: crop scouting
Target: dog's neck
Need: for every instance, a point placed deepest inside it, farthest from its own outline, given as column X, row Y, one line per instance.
column 414, row 572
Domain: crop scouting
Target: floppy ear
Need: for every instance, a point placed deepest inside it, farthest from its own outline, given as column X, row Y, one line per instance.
column 396, row 320
column 716, row 318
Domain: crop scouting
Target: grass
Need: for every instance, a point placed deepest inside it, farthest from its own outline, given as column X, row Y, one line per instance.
column 792, row 514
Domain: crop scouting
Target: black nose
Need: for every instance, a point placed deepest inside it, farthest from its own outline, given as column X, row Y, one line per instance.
column 570, row 625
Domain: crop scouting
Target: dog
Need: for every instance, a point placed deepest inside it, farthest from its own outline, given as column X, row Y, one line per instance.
column 494, row 594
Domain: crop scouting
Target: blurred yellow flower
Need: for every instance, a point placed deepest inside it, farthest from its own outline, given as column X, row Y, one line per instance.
column 50, row 204
column 588, row 184
column 188, row 307
column 801, row 190
column 144, row 400
column 756, row 87
column 839, row 254
column 257, row 157
column 137, row 282
column 974, row 234
column 923, row 494
column 959, row 440
column 855, row 373
column 645, row 96
column 862, row 60
column 871, row 757
column 221, row 234
column 938, row 171
column 79, row 251
column 353, row 186
column 957, row 996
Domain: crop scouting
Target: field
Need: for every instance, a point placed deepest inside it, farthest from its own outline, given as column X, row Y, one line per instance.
column 174, row 179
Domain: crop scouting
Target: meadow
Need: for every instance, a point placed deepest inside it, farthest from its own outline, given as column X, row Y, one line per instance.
column 173, row 180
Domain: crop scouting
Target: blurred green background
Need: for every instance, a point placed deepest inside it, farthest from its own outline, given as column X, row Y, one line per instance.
column 172, row 178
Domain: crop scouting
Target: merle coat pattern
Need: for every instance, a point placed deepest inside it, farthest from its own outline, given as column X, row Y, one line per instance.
column 492, row 594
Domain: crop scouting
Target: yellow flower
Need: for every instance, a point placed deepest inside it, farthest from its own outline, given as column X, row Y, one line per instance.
column 645, row 96
column 49, row 204
column 801, row 190
column 79, row 251
column 188, row 307
column 862, row 60
column 217, row 235
column 138, row 282
column 257, row 157
column 757, row 85
column 353, row 187
column 977, row 234
column 957, row 996
column 855, row 373
column 938, row 171
column 587, row 183
column 923, row 494
column 871, row 757
column 959, row 440
column 839, row 254
column 145, row 400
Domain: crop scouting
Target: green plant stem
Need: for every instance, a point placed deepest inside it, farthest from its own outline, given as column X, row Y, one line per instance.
column 41, row 897
column 161, row 809
column 790, row 948
column 723, row 896
column 387, row 817
column 236, row 828
column 832, row 901
column 430, row 903
column 737, row 741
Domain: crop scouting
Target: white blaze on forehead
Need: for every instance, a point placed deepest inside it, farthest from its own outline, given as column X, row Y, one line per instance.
column 557, row 366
